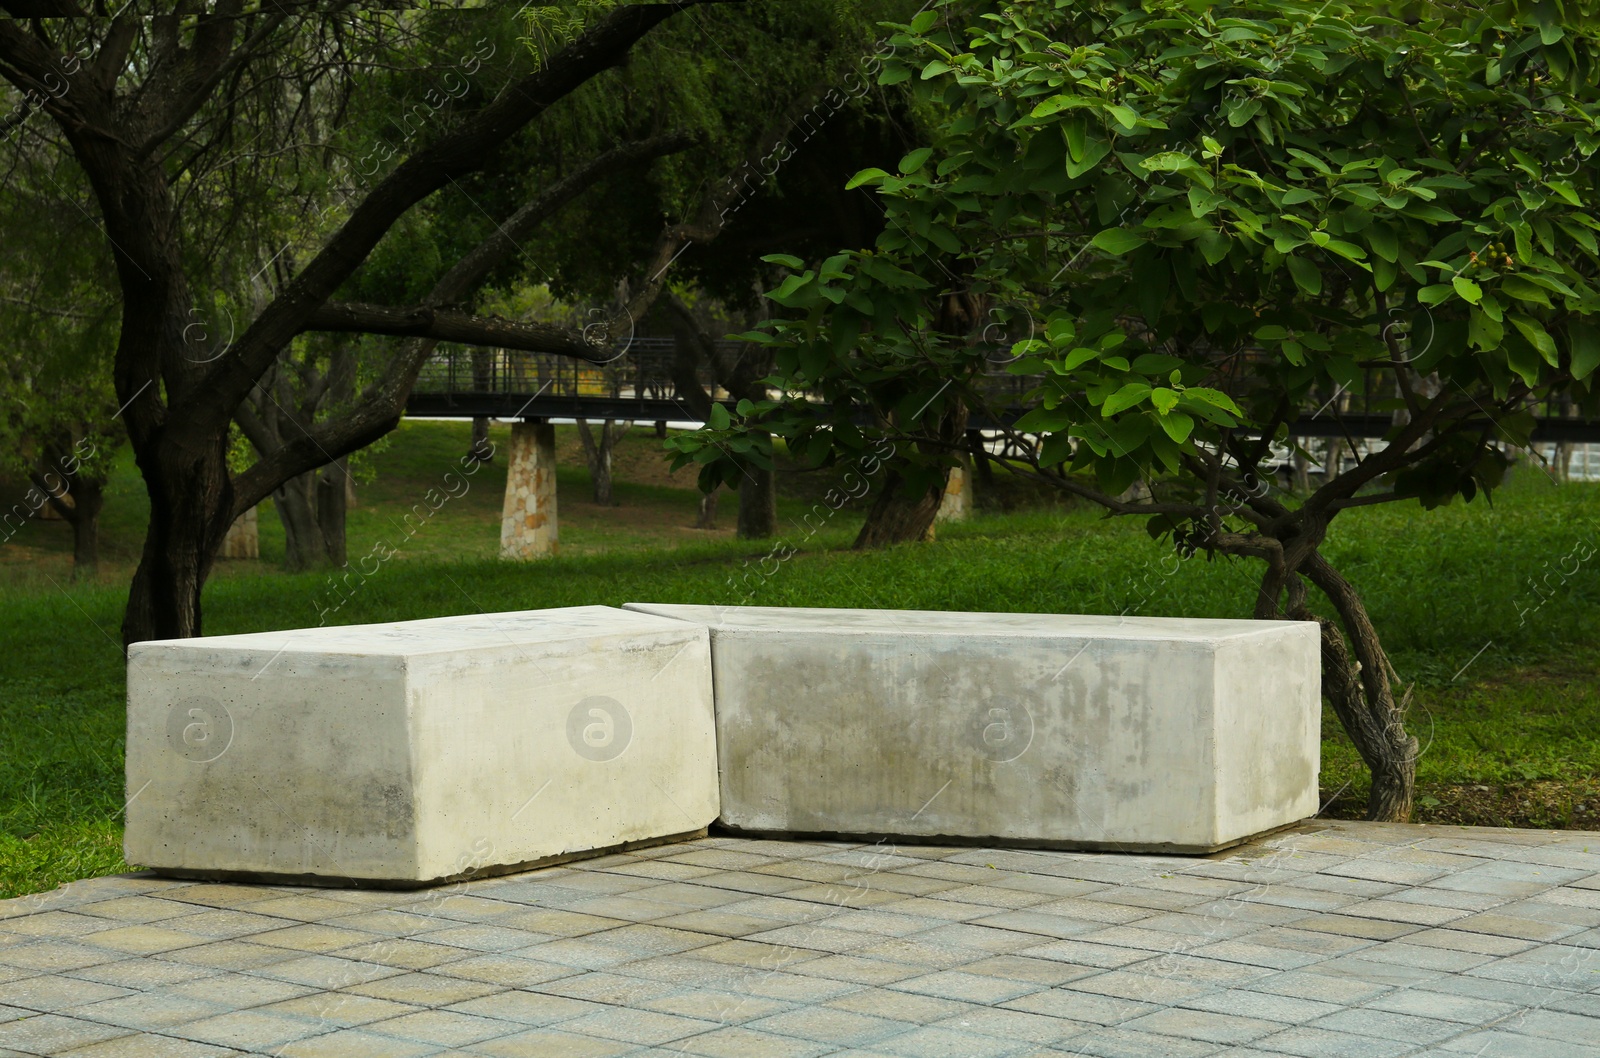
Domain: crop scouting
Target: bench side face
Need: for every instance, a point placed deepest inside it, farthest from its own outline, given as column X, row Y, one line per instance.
column 1025, row 739
column 254, row 761
column 1269, row 728
column 522, row 755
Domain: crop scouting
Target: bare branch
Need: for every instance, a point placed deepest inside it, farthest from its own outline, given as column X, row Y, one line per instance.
column 450, row 325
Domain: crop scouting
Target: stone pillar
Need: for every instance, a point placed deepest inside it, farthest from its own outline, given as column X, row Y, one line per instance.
column 244, row 537
column 957, row 502
column 528, row 527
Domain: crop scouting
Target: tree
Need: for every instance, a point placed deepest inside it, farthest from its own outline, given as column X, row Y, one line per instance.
column 58, row 425
column 150, row 116
column 1222, row 219
column 210, row 129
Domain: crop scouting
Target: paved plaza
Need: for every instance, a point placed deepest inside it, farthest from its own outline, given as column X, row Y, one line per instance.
column 1334, row 939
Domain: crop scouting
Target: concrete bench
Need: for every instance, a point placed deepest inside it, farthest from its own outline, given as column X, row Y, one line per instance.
column 412, row 753
column 1034, row 729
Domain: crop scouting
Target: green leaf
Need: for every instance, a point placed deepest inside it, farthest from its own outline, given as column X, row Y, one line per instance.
column 1383, row 274
column 1584, row 338
column 1306, row 275
column 1116, row 241
column 1215, row 397
column 1178, row 426
column 719, row 419
column 1164, row 399
column 1169, row 162
column 1213, row 245
column 1523, row 290
column 1123, row 116
column 1056, row 104
column 1125, row 398
column 1564, row 189
column 1537, row 336
column 1470, row 292
column 915, row 160
column 1078, row 357
column 865, row 176
column 786, row 260
column 1382, row 239
column 1240, row 111
column 1484, row 332
column 1433, row 295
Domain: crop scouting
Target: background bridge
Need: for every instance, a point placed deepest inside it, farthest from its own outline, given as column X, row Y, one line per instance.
column 533, row 389
column 637, row 385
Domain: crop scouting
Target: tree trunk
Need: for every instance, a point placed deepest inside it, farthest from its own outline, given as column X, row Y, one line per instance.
column 902, row 512
column 597, row 453
column 707, row 517
column 312, row 509
column 480, row 450
column 332, row 507
column 1360, row 690
column 88, row 496
column 661, row 429
column 76, row 498
column 296, row 503
column 191, row 508
column 983, row 473
column 758, row 505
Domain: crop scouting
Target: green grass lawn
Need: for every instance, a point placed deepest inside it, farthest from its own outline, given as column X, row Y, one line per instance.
column 1508, row 707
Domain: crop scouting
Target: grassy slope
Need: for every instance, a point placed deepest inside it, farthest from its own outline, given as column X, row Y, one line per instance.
column 1523, row 716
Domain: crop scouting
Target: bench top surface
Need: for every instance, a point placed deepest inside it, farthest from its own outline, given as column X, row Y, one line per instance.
column 437, row 634
column 822, row 620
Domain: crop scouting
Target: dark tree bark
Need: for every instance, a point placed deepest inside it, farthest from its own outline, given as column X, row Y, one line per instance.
column 758, row 505
column 1362, row 695
column 333, row 493
column 479, row 449
column 78, row 499
column 312, row 509
column 904, row 509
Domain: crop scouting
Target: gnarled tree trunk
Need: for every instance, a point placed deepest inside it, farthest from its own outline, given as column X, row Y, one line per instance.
column 1356, row 678
column 312, row 509
column 903, row 511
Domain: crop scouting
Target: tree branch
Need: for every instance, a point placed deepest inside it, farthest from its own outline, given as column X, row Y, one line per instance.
column 468, row 149
column 450, row 325
column 478, row 262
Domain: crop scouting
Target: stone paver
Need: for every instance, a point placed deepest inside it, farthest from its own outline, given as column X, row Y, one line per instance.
column 1331, row 939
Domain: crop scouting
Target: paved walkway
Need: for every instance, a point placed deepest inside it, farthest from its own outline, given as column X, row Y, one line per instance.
column 1338, row 939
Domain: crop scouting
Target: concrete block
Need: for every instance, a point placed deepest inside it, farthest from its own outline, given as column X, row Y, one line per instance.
column 1036, row 729
column 411, row 753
